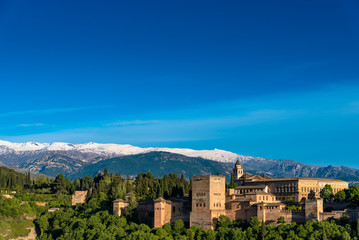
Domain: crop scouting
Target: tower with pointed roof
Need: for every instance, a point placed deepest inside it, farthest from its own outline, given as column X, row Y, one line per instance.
column 237, row 170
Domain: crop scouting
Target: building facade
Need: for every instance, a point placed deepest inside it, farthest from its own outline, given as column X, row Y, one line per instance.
column 298, row 189
column 256, row 195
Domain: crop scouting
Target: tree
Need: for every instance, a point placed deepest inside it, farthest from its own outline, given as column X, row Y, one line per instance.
column 302, row 232
column 28, row 178
column 326, row 192
column 167, row 227
column 178, row 227
column 231, row 183
column 281, row 219
column 346, row 236
column 354, row 192
column 254, row 223
column 340, row 196
column 324, row 235
column 41, row 181
column 344, row 219
column 358, row 228
column 264, row 230
column 288, row 200
column 224, row 221
column 105, row 173
column 211, row 235
column 59, row 185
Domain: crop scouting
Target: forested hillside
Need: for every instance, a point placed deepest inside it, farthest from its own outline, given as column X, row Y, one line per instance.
column 158, row 163
column 10, row 178
column 94, row 220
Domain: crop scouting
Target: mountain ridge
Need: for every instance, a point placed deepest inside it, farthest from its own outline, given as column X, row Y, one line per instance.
column 158, row 163
column 175, row 163
column 110, row 150
column 52, row 158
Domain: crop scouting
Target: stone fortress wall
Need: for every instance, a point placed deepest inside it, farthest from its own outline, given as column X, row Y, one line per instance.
column 168, row 211
column 256, row 195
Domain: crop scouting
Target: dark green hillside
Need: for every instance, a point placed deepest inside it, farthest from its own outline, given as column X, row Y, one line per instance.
column 9, row 178
column 158, row 163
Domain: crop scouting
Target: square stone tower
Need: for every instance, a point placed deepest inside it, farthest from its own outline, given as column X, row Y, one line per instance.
column 313, row 209
column 119, row 207
column 163, row 212
column 208, row 200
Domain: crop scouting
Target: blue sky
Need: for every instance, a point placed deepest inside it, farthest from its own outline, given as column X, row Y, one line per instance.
column 276, row 79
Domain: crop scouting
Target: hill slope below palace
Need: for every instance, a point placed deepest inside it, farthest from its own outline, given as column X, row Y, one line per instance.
column 75, row 160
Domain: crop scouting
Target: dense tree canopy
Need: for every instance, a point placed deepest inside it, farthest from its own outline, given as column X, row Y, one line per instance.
column 326, row 192
column 93, row 220
column 11, row 179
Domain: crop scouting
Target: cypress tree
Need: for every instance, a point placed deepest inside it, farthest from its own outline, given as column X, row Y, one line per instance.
column 231, row 184
column 59, row 185
column 244, row 179
column 105, row 173
column 264, row 230
column 190, row 234
column 128, row 185
column 28, row 180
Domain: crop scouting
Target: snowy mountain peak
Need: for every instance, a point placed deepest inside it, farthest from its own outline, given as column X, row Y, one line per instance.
column 111, row 150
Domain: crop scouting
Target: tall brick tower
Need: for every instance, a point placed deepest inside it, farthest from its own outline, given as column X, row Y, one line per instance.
column 208, row 200
column 237, row 170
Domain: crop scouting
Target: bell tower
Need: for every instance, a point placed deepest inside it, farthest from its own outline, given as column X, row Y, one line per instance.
column 237, row 170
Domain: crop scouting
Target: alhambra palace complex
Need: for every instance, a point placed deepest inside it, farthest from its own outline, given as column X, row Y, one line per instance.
column 256, row 195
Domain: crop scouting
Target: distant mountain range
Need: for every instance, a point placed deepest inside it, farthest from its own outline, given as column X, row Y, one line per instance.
column 15, row 153
column 76, row 160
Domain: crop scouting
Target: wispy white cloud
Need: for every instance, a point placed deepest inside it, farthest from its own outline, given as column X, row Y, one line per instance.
column 30, row 125
column 132, row 123
column 50, row 111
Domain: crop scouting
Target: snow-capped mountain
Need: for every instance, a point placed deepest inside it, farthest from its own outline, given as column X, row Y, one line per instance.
column 89, row 158
column 98, row 151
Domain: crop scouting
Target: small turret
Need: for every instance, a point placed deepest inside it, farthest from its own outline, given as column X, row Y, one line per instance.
column 237, row 170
